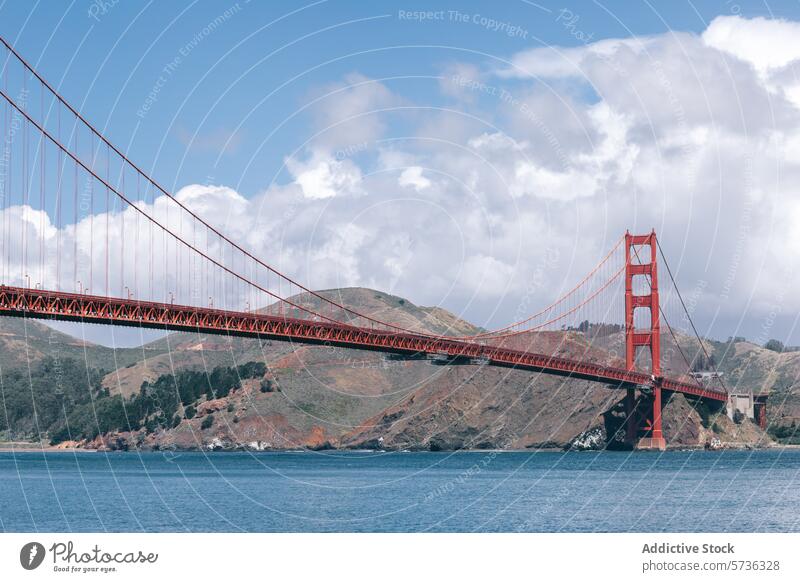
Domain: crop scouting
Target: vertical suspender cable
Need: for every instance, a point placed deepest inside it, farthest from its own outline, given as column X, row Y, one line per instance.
column 41, row 193
column 75, row 216
column 108, row 212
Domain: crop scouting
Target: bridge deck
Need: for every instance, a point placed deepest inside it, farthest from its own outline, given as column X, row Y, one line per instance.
column 42, row 304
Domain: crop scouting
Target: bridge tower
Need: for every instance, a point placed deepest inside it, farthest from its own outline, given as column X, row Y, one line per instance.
column 635, row 265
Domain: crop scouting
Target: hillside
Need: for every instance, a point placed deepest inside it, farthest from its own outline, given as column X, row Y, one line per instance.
column 320, row 392
column 750, row 367
column 180, row 351
column 318, row 397
column 28, row 341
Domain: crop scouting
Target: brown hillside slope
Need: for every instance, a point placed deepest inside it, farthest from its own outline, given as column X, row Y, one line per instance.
column 334, row 397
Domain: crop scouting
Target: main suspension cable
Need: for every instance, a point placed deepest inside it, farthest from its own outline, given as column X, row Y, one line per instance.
column 666, row 320
column 689, row 317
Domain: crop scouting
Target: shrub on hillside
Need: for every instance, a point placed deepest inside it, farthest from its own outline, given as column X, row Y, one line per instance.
column 774, row 345
column 252, row 370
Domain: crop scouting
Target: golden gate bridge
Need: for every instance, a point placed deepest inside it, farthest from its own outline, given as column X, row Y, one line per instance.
column 86, row 235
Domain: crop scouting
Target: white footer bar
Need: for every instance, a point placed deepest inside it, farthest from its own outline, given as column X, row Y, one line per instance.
column 402, row 557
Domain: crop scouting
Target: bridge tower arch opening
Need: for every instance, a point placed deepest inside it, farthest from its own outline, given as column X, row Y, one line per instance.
column 640, row 260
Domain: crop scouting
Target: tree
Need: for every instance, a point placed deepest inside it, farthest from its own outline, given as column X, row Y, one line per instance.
column 699, row 364
column 774, row 345
column 207, row 422
column 252, row 370
column 221, row 382
column 111, row 414
column 189, row 411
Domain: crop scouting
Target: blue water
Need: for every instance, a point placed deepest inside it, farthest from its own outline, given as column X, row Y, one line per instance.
column 401, row 492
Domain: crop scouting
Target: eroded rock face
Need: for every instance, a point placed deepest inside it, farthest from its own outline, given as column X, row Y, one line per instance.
column 594, row 439
column 486, row 408
column 211, row 406
column 688, row 423
column 682, row 424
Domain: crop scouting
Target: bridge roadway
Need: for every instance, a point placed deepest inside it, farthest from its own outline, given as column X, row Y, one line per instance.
column 43, row 304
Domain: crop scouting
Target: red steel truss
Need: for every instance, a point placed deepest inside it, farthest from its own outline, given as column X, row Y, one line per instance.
column 648, row 338
column 41, row 304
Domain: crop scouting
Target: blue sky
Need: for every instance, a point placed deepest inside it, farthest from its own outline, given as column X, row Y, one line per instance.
column 348, row 117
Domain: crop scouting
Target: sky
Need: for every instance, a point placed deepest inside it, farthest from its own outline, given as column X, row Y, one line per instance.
column 454, row 152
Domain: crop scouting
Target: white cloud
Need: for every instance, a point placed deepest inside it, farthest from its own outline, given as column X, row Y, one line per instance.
column 554, row 62
column 207, row 199
column 412, row 177
column 488, row 277
column 770, row 46
column 544, row 183
column 351, row 113
column 495, row 141
column 767, row 44
column 458, row 79
column 324, row 177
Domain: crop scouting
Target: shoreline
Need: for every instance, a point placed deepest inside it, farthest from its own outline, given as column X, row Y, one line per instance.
column 29, row 447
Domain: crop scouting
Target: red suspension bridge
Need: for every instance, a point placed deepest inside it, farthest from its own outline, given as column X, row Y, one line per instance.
column 86, row 235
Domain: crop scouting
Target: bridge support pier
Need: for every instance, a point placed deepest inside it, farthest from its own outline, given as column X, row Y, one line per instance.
column 760, row 411
column 631, row 417
column 648, row 338
column 655, row 440
column 643, row 423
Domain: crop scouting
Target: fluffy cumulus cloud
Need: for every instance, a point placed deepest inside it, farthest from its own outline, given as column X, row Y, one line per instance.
column 323, row 176
column 413, row 178
column 561, row 149
column 766, row 44
column 525, row 174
